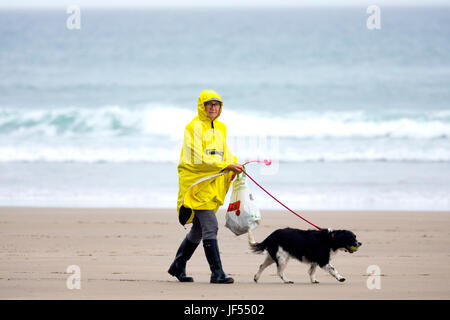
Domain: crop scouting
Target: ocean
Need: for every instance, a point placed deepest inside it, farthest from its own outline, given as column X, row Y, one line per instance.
column 352, row 118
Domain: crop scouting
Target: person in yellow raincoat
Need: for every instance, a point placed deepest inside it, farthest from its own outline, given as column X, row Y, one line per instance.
column 205, row 171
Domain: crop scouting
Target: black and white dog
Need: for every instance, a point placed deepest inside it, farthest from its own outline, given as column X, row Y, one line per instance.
column 314, row 247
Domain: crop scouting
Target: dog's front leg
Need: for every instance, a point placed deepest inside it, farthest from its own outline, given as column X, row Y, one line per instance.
column 311, row 272
column 332, row 270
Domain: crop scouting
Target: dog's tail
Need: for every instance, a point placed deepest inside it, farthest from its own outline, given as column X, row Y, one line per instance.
column 254, row 246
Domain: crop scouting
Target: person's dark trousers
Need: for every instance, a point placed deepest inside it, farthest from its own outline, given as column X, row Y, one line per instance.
column 213, row 256
column 178, row 266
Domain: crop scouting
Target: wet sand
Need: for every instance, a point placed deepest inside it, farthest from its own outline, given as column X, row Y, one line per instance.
column 125, row 254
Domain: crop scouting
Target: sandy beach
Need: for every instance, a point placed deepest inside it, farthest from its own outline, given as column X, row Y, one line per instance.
column 125, row 254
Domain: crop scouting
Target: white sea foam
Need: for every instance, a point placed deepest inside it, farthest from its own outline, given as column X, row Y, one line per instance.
column 346, row 199
column 140, row 153
column 169, row 121
column 153, row 133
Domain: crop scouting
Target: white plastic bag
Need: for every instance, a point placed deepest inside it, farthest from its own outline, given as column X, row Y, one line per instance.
column 243, row 214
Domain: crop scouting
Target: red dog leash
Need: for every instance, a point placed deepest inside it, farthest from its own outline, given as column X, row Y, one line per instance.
column 267, row 163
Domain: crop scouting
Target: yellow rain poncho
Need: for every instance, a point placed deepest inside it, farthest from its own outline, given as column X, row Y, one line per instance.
column 204, row 154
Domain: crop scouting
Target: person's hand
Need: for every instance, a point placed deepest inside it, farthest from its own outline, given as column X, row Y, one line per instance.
column 236, row 168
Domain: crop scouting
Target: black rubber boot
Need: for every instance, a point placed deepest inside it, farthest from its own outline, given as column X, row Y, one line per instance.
column 213, row 257
column 178, row 266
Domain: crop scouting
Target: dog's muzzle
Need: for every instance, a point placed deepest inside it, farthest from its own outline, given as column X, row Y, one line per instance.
column 352, row 249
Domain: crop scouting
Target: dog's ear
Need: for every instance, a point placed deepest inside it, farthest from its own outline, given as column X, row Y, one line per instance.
column 326, row 234
column 330, row 232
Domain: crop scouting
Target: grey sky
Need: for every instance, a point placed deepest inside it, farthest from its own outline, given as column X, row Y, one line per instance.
column 217, row 3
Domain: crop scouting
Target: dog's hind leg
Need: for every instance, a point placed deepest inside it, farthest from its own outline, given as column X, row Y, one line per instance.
column 267, row 262
column 332, row 270
column 282, row 260
column 311, row 272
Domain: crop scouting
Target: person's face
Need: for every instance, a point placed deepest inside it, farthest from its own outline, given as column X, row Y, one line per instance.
column 212, row 109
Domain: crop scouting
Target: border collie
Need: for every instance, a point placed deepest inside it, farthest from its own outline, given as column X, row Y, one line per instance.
column 314, row 247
